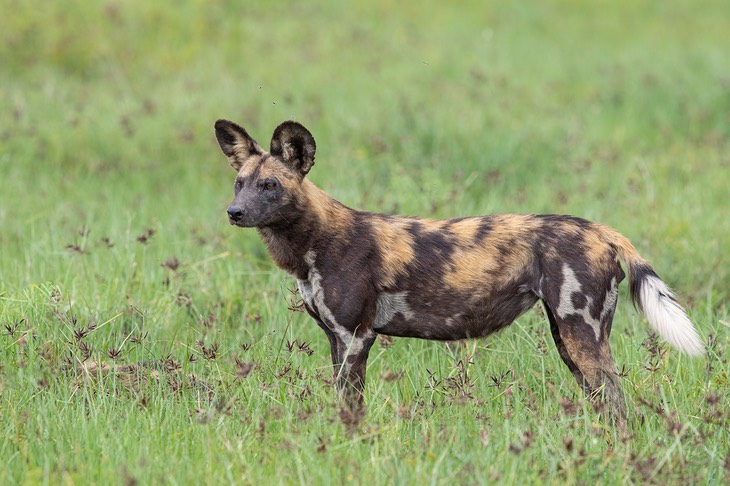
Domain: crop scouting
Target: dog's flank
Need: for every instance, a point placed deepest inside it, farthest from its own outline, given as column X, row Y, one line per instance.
column 362, row 274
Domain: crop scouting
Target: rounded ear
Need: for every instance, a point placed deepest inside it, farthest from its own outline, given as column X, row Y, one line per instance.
column 235, row 142
column 294, row 145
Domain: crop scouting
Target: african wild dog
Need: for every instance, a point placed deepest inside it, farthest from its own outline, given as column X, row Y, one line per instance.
column 361, row 274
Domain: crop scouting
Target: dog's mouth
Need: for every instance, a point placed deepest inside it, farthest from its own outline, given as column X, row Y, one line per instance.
column 240, row 223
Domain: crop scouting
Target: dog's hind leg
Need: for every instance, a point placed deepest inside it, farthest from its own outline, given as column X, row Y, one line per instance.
column 561, row 348
column 587, row 354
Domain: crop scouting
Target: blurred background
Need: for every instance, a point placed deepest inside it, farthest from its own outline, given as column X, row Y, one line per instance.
column 115, row 248
column 615, row 114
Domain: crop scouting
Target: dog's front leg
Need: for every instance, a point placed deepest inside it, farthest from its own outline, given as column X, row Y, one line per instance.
column 349, row 356
column 350, row 352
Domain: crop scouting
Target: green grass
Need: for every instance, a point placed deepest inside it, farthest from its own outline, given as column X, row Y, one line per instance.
column 614, row 111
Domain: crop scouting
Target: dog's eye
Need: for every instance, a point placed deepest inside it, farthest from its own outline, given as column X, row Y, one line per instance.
column 268, row 185
column 237, row 185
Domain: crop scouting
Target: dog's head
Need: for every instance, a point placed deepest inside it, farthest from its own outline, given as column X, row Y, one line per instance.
column 267, row 184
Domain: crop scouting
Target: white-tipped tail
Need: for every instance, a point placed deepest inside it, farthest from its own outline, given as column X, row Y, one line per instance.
column 667, row 317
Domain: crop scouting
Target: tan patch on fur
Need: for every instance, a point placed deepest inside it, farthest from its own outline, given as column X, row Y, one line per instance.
column 484, row 266
column 625, row 249
column 433, row 225
column 515, row 225
column 336, row 219
column 466, row 230
column 396, row 246
column 597, row 250
column 246, row 166
column 272, row 167
column 471, row 269
column 566, row 230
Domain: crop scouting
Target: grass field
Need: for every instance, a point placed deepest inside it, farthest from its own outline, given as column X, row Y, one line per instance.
column 144, row 340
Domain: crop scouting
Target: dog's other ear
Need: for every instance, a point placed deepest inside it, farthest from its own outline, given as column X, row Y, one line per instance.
column 294, row 145
column 235, row 143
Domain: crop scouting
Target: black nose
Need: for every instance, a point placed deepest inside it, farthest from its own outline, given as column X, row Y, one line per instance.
column 235, row 213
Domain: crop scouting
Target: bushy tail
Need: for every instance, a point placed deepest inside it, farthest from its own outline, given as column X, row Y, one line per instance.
column 656, row 300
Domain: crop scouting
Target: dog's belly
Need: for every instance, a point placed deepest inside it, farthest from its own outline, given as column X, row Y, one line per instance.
column 450, row 316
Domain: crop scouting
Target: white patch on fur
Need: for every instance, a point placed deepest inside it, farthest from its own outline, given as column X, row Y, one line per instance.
column 609, row 301
column 453, row 320
column 667, row 317
column 566, row 308
column 305, row 290
column 353, row 344
column 390, row 304
column 312, row 292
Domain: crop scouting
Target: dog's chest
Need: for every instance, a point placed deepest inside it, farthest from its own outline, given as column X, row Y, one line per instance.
column 307, row 293
column 310, row 288
column 313, row 293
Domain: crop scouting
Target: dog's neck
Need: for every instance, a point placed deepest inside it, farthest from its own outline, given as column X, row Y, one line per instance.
column 314, row 221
